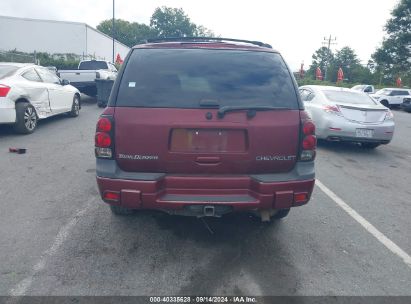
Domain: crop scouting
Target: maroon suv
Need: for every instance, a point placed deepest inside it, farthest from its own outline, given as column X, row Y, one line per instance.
column 205, row 127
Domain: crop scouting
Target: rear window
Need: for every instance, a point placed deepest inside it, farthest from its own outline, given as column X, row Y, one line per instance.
column 184, row 78
column 6, row 70
column 349, row 97
column 93, row 65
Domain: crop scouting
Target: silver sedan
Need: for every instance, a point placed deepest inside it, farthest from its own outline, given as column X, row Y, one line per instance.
column 342, row 114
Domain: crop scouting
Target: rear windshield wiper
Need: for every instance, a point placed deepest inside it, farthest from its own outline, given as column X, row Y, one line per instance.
column 251, row 110
column 210, row 103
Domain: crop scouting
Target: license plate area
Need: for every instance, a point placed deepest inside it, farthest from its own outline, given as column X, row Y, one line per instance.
column 208, row 140
column 364, row 133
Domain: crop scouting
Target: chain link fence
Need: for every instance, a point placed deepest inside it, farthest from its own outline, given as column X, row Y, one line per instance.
column 14, row 56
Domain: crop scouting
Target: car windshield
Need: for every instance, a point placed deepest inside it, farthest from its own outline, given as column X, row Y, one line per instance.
column 358, row 87
column 93, row 65
column 176, row 78
column 348, row 97
column 383, row 92
column 7, row 70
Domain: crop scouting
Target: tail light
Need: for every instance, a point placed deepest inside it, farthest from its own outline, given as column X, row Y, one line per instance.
column 103, row 140
column 308, row 139
column 389, row 115
column 4, row 90
column 332, row 110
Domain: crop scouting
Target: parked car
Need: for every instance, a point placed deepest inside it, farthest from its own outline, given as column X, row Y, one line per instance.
column 390, row 97
column 406, row 105
column 205, row 127
column 347, row 115
column 88, row 70
column 366, row 88
column 30, row 92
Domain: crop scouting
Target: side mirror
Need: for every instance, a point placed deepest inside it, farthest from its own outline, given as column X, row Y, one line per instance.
column 65, row 82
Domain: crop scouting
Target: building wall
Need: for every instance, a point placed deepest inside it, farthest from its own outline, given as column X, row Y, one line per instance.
column 104, row 45
column 29, row 35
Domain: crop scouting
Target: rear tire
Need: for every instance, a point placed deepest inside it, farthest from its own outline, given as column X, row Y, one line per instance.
column 369, row 145
column 101, row 104
column 273, row 217
column 117, row 210
column 26, row 118
column 282, row 213
column 75, row 108
column 385, row 104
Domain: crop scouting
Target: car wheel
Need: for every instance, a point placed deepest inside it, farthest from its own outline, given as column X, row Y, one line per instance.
column 369, row 145
column 117, row 210
column 385, row 104
column 75, row 108
column 282, row 213
column 270, row 216
column 26, row 118
column 101, row 104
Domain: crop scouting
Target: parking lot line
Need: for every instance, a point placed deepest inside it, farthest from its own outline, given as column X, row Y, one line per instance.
column 367, row 225
column 21, row 288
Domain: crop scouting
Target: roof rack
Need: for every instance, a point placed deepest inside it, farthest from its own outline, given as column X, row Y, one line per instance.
column 205, row 39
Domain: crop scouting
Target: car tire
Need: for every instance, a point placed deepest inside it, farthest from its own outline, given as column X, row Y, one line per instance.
column 75, row 108
column 369, row 145
column 101, row 104
column 282, row 213
column 274, row 215
column 117, row 210
column 26, row 118
column 385, row 104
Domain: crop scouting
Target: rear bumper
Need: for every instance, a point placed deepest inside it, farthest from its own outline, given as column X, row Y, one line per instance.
column 183, row 194
column 7, row 111
column 340, row 129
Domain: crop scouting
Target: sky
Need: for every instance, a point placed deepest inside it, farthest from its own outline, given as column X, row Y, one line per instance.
column 296, row 28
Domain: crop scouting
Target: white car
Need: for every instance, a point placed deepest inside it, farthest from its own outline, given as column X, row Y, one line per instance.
column 30, row 92
column 341, row 114
column 366, row 88
column 391, row 96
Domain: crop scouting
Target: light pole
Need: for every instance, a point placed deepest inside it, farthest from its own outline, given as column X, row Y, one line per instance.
column 113, row 32
column 329, row 42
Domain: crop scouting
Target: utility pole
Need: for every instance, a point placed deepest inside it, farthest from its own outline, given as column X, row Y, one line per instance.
column 113, row 32
column 328, row 42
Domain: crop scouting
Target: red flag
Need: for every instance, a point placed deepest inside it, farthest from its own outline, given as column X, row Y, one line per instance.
column 340, row 75
column 302, row 71
column 318, row 74
column 399, row 82
column 119, row 60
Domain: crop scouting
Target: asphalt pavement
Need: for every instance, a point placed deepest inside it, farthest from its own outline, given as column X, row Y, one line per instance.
column 58, row 238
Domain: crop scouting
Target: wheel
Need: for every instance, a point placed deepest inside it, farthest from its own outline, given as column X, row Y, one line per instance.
column 101, row 104
column 282, row 213
column 385, row 104
column 117, row 210
column 269, row 216
column 369, row 145
column 75, row 108
column 26, row 118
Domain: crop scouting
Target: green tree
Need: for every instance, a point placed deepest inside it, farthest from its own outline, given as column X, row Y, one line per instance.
column 393, row 58
column 350, row 64
column 171, row 22
column 129, row 33
column 165, row 22
column 321, row 58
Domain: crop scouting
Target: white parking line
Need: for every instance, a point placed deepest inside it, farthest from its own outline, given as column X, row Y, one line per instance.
column 367, row 225
column 21, row 288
